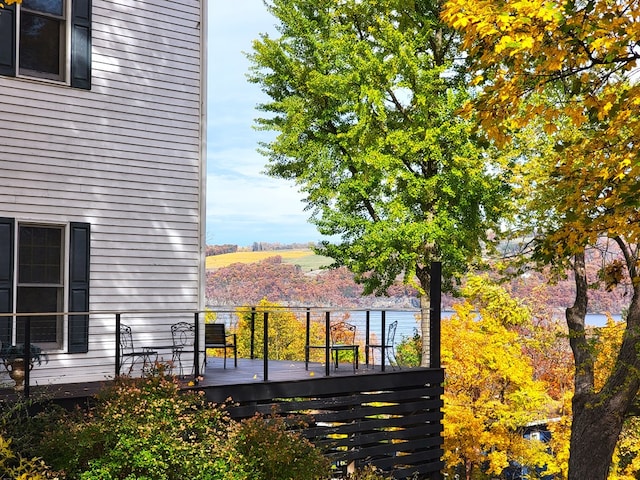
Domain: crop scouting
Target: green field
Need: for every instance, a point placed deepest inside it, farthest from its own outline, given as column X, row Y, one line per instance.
column 305, row 258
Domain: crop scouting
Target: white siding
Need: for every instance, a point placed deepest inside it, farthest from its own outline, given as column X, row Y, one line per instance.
column 124, row 157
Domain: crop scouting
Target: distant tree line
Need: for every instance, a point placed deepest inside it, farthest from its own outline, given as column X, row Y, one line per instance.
column 284, row 283
column 268, row 246
column 212, row 250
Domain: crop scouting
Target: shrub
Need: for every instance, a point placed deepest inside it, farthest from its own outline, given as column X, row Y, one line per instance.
column 23, row 421
column 409, row 350
column 266, row 449
column 14, row 466
column 142, row 429
column 147, row 428
column 368, row 473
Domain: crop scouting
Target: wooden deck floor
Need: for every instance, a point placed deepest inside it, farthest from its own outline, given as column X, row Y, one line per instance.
column 251, row 371
column 248, row 371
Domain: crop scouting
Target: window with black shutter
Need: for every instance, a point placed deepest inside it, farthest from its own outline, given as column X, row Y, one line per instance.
column 34, row 37
column 32, row 280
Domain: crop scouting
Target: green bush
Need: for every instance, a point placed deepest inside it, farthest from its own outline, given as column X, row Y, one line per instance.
column 265, row 449
column 141, row 429
column 14, row 466
column 24, row 421
column 368, row 473
column 409, row 350
column 148, row 428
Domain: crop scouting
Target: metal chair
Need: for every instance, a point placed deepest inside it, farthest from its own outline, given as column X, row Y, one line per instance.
column 343, row 339
column 129, row 352
column 215, row 336
column 388, row 348
column 183, row 335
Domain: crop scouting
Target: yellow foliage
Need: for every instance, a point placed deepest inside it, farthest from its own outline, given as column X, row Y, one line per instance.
column 588, row 49
column 17, row 467
column 286, row 332
column 489, row 390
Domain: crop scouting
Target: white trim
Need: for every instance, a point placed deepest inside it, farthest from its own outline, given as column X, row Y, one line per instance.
column 203, row 154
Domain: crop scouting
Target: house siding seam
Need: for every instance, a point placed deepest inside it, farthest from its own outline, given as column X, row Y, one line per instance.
column 124, row 157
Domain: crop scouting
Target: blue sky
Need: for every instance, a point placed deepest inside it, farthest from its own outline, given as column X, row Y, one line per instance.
column 243, row 204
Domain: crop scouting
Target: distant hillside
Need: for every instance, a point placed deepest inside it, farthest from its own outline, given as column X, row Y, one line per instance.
column 305, row 258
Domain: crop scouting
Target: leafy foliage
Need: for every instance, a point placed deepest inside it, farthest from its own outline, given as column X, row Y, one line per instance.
column 287, row 333
column 14, row 466
column 490, row 391
column 147, row 428
column 264, row 449
column 363, row 99
column 566, row 71
column 141, row 428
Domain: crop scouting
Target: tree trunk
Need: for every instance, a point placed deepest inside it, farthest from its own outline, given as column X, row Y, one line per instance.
column 594, row 434
column 598, row 417
column 425, row 329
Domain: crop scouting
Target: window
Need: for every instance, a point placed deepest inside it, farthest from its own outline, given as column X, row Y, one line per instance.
column 49, row 39
column 40, row 283
column 32, row 280
column 42, row 36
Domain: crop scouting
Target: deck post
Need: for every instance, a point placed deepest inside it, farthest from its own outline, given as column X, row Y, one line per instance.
column 196, row 345
column 253, row 331
column 27, row 356
column 265, row 347
column 327, row 344
column 383, row 334
column 367, row 332
column 307, row 338
column 117, row 344
column 435, row 295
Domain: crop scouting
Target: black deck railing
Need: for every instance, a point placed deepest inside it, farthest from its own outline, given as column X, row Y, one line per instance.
column 372, row 322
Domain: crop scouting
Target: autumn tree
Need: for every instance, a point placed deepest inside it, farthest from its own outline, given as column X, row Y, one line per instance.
column 568, row 68
column 287, row 332
column 490, row 390
column 363, row 96
column 626, row 457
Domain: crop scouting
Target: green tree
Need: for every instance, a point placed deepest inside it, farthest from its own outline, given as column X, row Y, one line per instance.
column 581, row 56
column 363, row 96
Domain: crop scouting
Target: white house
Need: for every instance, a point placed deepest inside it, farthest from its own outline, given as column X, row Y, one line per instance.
column 102, row 171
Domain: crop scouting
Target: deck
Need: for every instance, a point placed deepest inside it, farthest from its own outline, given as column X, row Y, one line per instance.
column 215, row 375
column 391, row 419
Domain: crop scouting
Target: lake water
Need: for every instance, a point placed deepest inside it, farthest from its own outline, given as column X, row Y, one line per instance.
column 408, row 321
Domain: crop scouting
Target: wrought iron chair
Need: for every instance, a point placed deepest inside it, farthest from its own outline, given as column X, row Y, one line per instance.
column 128, row 352
column 388, row 348
column 183, row 335
column 216, row 337
column 343, row 339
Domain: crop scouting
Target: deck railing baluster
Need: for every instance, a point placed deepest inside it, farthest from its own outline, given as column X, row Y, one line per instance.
column 265, row 349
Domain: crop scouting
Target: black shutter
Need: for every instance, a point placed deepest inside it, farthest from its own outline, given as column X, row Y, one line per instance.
column 8, row 40
column 81, row 44
column 7, row 226
column 79, row 261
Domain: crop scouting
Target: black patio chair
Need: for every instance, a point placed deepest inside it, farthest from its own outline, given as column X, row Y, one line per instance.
column 388, row 348
column 216, row 337
column 128, row 352
column 183, row 335
column 343, row 339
